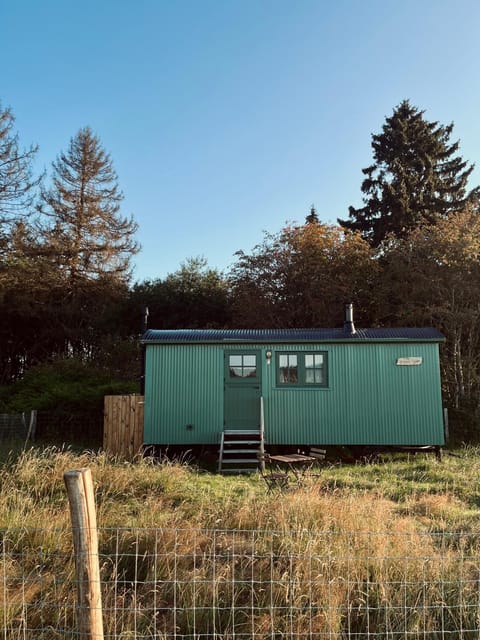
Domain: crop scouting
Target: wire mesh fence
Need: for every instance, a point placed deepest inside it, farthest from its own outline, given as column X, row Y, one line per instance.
column 224, row 584
column 17, row 426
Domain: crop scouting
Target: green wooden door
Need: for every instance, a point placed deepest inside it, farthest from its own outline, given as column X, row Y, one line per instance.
column 242, row 389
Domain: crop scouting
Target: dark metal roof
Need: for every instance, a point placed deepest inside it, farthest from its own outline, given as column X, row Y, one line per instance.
column 414, row 334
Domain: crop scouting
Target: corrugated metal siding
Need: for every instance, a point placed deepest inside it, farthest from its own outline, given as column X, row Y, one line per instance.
column 369, row 400
column 184, row 386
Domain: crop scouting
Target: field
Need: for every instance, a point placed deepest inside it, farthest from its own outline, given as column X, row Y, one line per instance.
column 383, row 550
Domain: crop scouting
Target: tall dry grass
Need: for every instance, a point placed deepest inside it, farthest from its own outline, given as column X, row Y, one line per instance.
column 200, row 555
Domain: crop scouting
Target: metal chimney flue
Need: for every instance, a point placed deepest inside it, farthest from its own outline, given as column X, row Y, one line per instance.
column 145, row 315
column 348, row 325
column 142, row 351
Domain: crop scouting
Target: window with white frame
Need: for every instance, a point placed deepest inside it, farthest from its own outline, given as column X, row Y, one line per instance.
column 302, row 369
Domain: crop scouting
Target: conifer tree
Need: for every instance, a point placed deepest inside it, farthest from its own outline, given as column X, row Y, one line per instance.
column 86, row 236
column 312, row 217
column 16, row 179
column 86, row 243
column 416, row 177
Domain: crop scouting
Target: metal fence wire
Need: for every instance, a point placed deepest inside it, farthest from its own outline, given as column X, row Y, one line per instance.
column 224, row 584
column 14, row 425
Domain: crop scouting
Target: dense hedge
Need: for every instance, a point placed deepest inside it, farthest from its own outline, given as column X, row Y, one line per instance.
column 70, row 393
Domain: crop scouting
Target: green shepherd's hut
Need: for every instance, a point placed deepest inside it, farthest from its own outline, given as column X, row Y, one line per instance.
column 292, row 388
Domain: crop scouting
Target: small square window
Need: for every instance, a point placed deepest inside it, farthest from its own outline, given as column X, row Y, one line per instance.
column 242, row 366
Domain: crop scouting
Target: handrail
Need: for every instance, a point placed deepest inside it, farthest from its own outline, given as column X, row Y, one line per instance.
column 220, row 454
column 262, row 436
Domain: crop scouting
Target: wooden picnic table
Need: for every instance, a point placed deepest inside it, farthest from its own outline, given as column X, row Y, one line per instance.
column 297, row 463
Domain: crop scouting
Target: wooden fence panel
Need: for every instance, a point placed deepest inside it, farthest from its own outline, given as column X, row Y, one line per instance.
column 123, row 425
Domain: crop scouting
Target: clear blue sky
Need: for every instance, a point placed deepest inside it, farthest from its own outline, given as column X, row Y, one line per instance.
column 226, row 118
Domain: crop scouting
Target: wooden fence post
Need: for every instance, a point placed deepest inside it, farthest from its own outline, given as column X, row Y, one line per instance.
column 85, row 541
column 32, row 425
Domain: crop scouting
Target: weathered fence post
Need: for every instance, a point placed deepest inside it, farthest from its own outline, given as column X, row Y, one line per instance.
column 85, row 540
column 31, row 426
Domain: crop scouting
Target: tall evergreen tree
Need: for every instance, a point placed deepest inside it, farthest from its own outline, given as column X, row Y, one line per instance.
column 312, row 217
column 86, row 242
column 16, row 177
column 86, row 236
column 18, row 275
column 416, row 177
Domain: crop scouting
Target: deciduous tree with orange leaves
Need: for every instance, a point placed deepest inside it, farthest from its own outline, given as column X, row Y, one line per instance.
column 301, row 277
column 432, row 277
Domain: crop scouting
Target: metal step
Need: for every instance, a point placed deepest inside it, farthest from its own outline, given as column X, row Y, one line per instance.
column 230, row 451
column 237, row 471
column 237, row 444
column 242, row 432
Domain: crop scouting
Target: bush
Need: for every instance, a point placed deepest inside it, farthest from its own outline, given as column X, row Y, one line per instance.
column 67, row 388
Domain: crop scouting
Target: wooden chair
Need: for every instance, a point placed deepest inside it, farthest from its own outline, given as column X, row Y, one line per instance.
column 319, row 455
column 275, row 480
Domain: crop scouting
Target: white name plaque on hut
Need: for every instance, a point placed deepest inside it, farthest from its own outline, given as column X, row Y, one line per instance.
column 412, row 361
